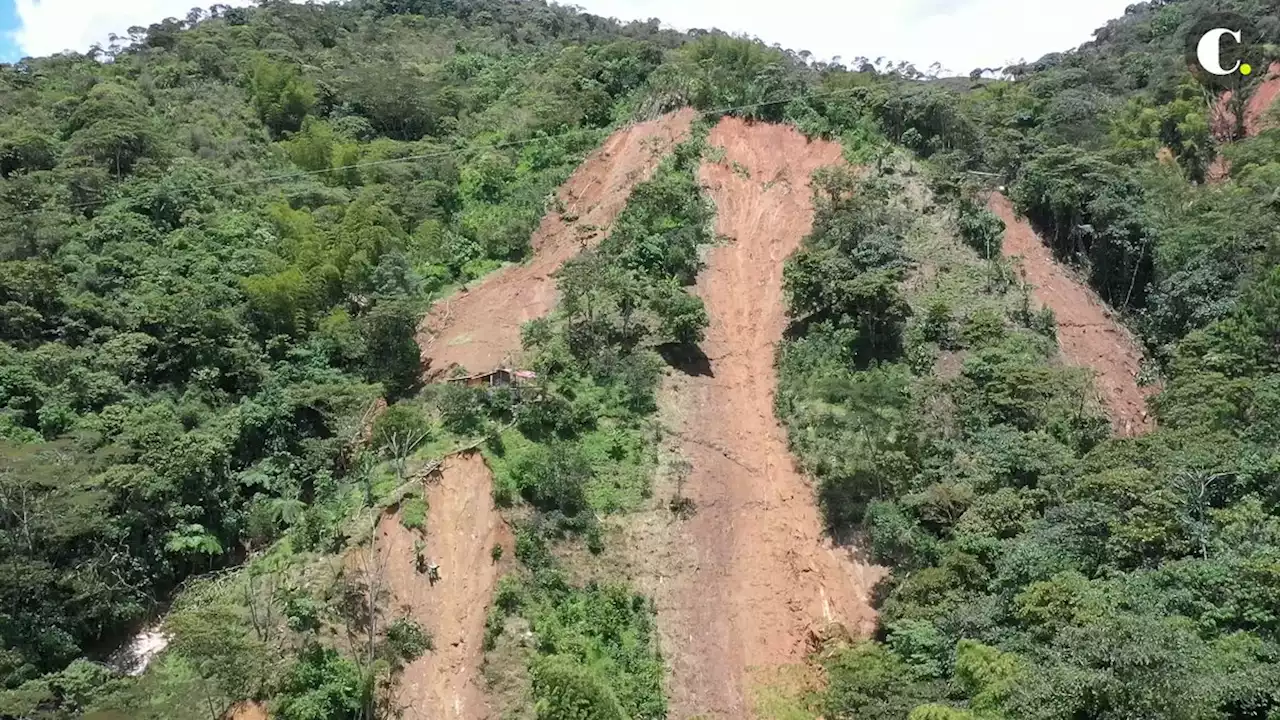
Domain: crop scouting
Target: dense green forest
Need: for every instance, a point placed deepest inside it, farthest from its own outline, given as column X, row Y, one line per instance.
column 217, row 237
column 1040, row 568
column 215, row 250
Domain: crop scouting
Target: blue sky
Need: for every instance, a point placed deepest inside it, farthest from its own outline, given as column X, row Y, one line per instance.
column 959, row 34
column 8, row 23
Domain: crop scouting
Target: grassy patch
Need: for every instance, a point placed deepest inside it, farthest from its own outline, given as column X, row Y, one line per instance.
column 413, row 514
column 623, row 459
column 506, row 669
column 594, row 644
column 789, row 692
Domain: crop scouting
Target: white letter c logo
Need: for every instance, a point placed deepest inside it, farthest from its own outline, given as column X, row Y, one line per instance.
column 1208, row 52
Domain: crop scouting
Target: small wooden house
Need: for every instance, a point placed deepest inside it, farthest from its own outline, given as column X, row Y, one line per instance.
column 500, row 377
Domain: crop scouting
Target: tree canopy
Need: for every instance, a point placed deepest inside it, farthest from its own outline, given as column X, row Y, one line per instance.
column 218, row 235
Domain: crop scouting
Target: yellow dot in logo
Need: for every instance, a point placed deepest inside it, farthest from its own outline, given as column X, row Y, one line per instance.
column 1245, row 69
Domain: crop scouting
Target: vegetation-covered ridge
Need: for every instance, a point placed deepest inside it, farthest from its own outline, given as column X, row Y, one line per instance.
column 185, row 354
column 1039, row 568
column 588, row 446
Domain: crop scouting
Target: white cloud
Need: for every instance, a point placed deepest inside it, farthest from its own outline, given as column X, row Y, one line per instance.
column 960, row 34
column 50, row 26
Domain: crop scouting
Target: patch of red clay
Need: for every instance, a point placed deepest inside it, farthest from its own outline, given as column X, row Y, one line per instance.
column 462, row 527
column 1222, row 119
column 247, row 710
column 479, row 328
column 1262, row 101
column 1264, row 96
column 1087, row 334
column 756, row 578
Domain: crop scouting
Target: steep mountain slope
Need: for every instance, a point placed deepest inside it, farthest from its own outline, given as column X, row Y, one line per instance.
column 1090, row 337
column 216, row 251
column 479, row 328
column 752, row 577
column 242, row 216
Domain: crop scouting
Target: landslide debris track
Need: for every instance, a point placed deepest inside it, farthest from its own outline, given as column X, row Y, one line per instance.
column 744, row 583
column 480, row 327
column 1088, row 336
column 462, row 527
column 1264, row 96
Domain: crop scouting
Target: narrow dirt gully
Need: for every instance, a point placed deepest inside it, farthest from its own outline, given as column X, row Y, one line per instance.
column 462, row 528
column 1087, row 333
column 747, row 582
column 479, row 328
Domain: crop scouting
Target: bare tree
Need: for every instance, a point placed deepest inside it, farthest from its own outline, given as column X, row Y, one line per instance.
column 400, row 445
column 363, row 595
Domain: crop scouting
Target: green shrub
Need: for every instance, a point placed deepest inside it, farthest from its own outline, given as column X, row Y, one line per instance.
column 983, row 327
column 981, row 229
column 407, row 640
column 509, row 595
column 553, row 478
column 461, row 408
column 936, row 324
column 323, row 685
column 566, row 690
column 413, row 514
column 401, row 426
column 868, row 680
column 494, row 623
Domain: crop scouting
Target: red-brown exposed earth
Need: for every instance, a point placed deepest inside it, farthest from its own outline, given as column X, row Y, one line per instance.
column 479, row 328
column 1087, row 333
column 462, row 528
column 747, row 581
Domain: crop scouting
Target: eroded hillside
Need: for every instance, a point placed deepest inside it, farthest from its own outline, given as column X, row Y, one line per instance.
column 479, row 327
column 749, row 580
column 1090, row 336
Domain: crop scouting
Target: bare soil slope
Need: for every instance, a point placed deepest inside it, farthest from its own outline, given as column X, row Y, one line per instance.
column 1264, row 96
column 462, row 527
column 1088, row 335
column 1222, row 119
column 744, row 583
column 479, row 328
